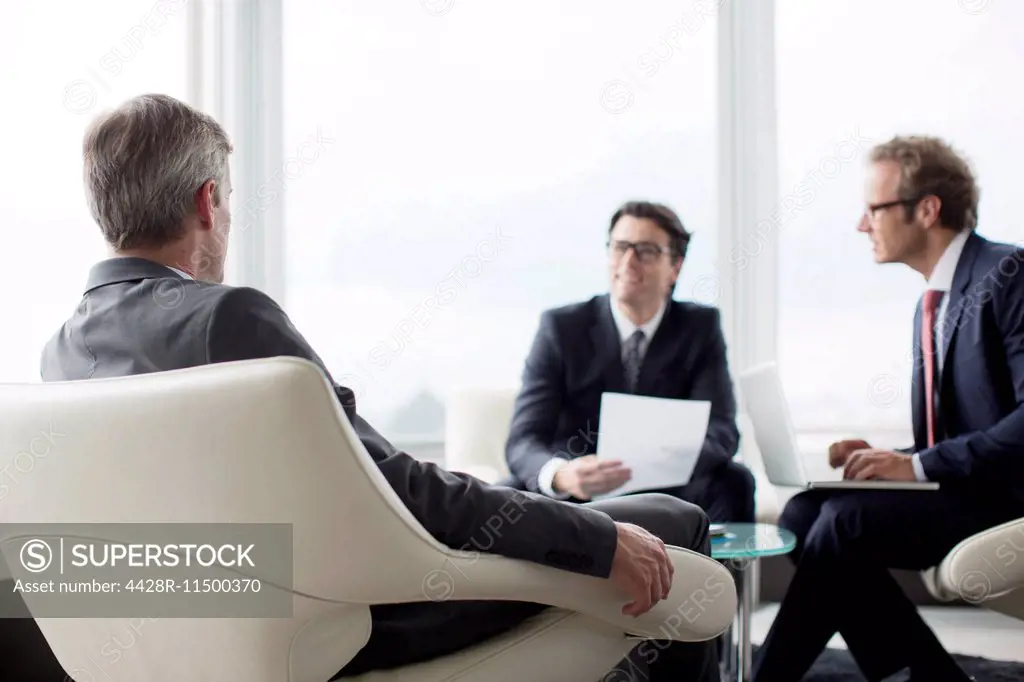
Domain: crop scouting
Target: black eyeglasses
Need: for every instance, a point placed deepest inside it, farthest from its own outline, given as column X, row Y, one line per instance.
column 646, row 252
column 872, row 209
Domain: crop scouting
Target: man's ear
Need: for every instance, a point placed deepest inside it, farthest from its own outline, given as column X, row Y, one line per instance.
column 928, row 210
column 206, row 201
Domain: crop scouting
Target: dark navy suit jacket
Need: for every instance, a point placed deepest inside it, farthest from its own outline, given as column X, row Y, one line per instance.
column 981, row 395
column 577, row 356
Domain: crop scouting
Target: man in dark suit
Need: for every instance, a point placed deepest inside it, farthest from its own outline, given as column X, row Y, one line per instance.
column 968, row 418
column 158, row 182
column 635, row 339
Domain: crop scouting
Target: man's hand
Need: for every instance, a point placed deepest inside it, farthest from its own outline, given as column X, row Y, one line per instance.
column 641, row 568
column 586, row 476
column 839, row 452
column 885, row 465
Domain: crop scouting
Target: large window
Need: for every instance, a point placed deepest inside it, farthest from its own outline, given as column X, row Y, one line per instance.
column 65, row 62
column 852, row 73
column 460, row 164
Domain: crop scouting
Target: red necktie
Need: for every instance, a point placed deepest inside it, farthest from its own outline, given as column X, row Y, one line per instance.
column 928, row 308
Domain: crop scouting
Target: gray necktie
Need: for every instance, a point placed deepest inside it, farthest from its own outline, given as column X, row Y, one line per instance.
column 632, row 360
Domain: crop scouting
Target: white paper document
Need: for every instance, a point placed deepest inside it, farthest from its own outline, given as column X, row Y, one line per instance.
column 659, row 439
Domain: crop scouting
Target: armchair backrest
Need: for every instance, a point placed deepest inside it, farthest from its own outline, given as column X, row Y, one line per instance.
column 477, row 422
column 262, row 441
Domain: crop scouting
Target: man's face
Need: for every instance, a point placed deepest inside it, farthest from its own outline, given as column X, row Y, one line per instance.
column 894, row 238
column 645, row 278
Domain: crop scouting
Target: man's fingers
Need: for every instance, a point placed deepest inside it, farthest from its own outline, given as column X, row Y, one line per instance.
column 610, row 472
column 605, row 481
column 642, row 599
column 609, row 463
column 657, row 587
column 853, row 463
column 872, row 468
column 852, row 467
column 666, row 574
column 869, row 471
column 857, row 461
column 618, row 478
column 860, row 473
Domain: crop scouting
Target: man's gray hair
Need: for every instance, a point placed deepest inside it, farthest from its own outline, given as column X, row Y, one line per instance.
column 144, row 162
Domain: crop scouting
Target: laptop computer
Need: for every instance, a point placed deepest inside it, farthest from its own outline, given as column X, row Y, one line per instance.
column 775, row 436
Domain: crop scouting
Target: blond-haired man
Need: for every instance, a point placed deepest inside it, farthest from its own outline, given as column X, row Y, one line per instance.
column 968, row 423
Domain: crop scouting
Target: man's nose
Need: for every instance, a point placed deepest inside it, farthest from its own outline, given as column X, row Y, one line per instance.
column 630, row 259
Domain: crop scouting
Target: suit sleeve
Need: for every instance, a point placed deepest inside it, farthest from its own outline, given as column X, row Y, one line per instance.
column 713, row 382
column 538, row 405
column 458, row 510
column 1000, row 447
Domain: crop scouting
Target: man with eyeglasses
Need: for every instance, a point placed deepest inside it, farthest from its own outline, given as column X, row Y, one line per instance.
column 968, row 422
column 634, row 339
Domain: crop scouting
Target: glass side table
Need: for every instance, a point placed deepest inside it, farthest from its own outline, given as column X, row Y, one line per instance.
column 740, row 549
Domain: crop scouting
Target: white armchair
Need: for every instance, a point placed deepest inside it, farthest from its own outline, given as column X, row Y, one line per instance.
column 477, row 422
column 265, row 441
column 986, row 569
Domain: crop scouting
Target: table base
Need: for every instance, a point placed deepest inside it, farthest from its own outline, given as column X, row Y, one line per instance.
column 737, row 659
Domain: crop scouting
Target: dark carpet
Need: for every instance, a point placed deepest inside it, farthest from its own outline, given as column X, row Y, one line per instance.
column 836, row 665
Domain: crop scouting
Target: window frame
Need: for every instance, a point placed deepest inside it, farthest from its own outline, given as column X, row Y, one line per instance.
column 236, row 61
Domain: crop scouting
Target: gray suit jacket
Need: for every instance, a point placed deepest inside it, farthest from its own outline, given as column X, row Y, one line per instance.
column 137, row 316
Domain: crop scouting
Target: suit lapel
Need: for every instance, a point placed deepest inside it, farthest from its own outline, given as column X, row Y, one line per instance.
column 955, row 306
column 957, row 302
column 608, row 348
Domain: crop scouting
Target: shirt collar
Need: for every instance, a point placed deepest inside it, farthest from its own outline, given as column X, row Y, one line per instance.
column 180, row 272
column 942, row 276
column 127, row 269
column 627, row 328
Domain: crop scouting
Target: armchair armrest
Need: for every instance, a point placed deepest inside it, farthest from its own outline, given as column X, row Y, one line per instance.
column 982, row 567
column 700, row 606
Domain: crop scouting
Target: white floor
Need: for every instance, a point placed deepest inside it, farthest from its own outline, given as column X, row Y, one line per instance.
column 969, row 631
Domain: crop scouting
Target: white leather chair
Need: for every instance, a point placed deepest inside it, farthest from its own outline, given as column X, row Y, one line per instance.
column 477, row 422
column 986, row 569
column 265, row 441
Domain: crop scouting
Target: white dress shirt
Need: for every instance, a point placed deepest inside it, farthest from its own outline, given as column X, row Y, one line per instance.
column 183, row 274
column 626, row 327
column 941, row 279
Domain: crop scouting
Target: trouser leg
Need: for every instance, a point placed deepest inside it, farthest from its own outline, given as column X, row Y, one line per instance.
column 846, row 543
column 726, row 494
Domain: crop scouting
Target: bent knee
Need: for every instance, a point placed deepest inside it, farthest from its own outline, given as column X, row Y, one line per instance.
column 670, row 504
column 740, row 480
column 678, row 522
column 799, row 513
